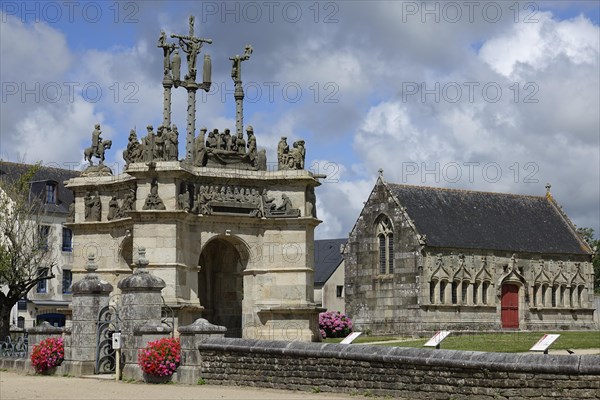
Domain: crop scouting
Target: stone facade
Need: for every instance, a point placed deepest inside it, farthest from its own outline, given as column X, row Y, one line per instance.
column 235, row 263
column 408, row 270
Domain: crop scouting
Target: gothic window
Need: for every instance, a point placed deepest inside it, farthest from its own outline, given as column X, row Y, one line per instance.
column 544, row 291
column 554, row 296
column 536, row 289
column 385, row 236
column 562, row 301
column 475, row 290
column 464, row 287
column 432, row 292
column 580, row 302
column 484, row 292
column 454, row 292
column 443, row 291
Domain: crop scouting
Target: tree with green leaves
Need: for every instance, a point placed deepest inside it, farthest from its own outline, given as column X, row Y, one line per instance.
column 587, row 234
column 26, row 257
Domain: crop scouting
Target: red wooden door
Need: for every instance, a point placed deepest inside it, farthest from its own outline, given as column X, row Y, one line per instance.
column 510, row 306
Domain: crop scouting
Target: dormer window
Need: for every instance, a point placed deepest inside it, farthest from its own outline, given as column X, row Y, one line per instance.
column 50, row 192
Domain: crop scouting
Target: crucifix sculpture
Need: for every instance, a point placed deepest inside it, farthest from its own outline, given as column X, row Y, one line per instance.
column 236, row 75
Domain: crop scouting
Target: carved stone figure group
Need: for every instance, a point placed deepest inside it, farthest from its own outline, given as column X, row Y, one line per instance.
column 225, row 148
column 93, row 206
column 293, row 159
column 208, row 199
column 160, row 146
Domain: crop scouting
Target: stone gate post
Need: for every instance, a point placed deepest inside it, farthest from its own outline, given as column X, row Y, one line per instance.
column 90, row 295
column 141, row 306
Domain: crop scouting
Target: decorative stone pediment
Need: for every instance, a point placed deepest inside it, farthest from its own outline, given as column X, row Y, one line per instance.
column 483, row 274
column 462, row 273
column 439, row 271
column 560, row 279
column 578, row 278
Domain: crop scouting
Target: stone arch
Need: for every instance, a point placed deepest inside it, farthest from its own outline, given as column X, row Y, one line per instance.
column 221, row 263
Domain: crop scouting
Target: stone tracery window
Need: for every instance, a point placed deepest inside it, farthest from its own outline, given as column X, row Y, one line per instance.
column 385, row 237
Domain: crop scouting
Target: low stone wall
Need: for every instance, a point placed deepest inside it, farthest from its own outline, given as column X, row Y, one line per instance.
column 404, row 373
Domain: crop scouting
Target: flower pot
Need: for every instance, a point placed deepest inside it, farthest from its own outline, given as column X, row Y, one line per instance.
column 149, row 378
column 49, row 371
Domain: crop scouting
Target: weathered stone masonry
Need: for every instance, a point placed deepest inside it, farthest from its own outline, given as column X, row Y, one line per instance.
column 404, row 373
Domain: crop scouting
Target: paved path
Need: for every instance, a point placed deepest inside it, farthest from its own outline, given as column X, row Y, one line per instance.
column 15, row 386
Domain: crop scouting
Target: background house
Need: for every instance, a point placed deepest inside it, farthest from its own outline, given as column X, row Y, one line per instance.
column 422, row 258
column 329, row 274
column 50, row 300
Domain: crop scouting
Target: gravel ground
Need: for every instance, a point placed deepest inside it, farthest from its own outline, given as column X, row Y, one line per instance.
column 15, row 386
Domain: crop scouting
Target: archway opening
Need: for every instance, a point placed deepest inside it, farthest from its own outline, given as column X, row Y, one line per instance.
column 221, row 285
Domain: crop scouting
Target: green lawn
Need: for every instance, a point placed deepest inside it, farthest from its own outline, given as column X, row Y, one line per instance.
column 512, row 342
column 509, row 342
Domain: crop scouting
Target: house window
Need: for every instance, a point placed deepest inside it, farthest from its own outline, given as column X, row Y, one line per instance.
column 43, row 236
column 42, row 286
column 385, row 237
column 50, row 193
column 67, row 280
column 22, row 305
column 67, row 239
column 339, row 291
column 21, row 322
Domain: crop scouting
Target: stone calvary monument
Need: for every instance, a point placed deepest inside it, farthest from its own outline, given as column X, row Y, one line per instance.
column 232, row 241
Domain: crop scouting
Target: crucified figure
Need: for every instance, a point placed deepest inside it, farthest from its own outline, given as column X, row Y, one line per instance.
column 191, row 46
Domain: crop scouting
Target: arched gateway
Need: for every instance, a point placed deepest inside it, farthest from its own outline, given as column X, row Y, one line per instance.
column 217, row 224
column 221, row 283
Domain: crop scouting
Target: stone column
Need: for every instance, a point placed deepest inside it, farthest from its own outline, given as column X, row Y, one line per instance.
column 90, row 295
column 239, row 108
column 141, row 304
column 191, row 88
column 191, row 336
column 167, row 85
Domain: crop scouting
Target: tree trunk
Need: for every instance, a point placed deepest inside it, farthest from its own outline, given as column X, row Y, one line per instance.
column 6, row 305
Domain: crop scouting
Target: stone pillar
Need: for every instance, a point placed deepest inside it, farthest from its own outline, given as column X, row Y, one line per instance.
column 167, row 85
column 191, row 336
column 141, row 304
column 239, row 108
column 191, row 121
column 90, row 295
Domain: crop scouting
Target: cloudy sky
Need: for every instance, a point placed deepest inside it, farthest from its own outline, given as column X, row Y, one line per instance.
column 495, row 96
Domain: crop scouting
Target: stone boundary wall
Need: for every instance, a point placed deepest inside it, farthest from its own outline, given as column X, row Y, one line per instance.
column 404, row 373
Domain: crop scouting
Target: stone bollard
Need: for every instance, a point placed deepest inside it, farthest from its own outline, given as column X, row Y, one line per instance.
column 191, row 336
column 90, row 295
column 141, row 303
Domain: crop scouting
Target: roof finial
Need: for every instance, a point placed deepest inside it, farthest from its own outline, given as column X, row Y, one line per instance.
column 380, row 171
column 548, row 186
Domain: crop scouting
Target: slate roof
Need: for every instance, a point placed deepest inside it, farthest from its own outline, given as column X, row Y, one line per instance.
column 327, row 258
column 485, row 220
column 64, row 196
